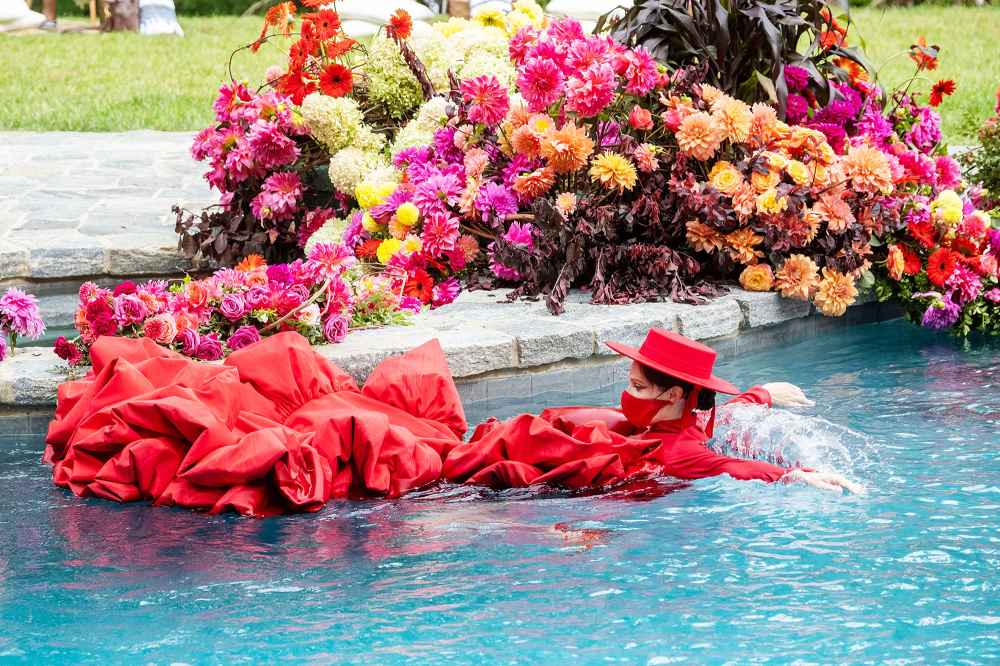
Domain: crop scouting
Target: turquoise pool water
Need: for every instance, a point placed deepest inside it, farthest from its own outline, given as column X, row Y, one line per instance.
column 715, row 571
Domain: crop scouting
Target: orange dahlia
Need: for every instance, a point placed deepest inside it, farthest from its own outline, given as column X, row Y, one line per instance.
column 699, row 136
column 868, row 170
column 797, row 278
column 832, row 209
column 758, row 277
column 735, row 118
column 567, row 149
column 742, row 245
column 704, row 238
column 725, row 177
column 763, row 122
column 251, row 262
column 536, row 183
column 526, row 142
column 744, row 201
column 835, row 292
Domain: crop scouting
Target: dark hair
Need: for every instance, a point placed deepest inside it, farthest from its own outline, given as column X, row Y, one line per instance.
column 706, row 397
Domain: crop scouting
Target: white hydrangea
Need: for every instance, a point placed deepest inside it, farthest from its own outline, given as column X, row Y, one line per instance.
column 485, row 63
column 350, row 166
column 390, row 81
column 334, row 121
column 420, row 130
column 331, row 232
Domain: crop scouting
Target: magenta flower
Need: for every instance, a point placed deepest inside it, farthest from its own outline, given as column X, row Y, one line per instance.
column 540, row 82
column 488, row 98
column 241, row 163
column 521, row 43
column 279, row 197
column 189, row 340
column 209, row 348
column 796, row 108
column 231, row 97
column 638, row 69
column 129, row 310
column 583, row 53
column 445, row 292
column 437, row 192
column 993, row 295
column 926, row 131
column 19, row 312
column 335, row 328
column 966, row 284
column 258, row 298
column 565, row 29
column 592, row 92
column 439, row 233
column 272, row 147
column 233, row 307
column 328, row 261
column 797, row 78
column 949, row 174
column 520, row 234
column 495, row 200
column 205, row 143
column 242, row 337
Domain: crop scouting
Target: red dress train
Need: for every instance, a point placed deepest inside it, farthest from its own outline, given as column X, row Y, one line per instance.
column 277, row 428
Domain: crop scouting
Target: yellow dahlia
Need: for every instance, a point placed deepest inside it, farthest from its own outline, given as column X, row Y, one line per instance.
column 835, row 292
column 704, row 238
column 742, row 246
column 725, row 177
column 868, row 170
column 387, row 249
column 567, row 149
column 734, row 117
column 699, row 136
column 613, row 171
column 797, row 278
column 798, row 172
column 757, row 278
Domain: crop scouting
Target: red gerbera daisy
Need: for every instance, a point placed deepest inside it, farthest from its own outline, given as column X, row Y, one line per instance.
column 940, row 90
column 281, row 16
column 925, row 56
column 923, row 233
column 338, row 47
column 326, row 22
column 419, row 285
column 965, row 246
column 911, row 260
column 368, row 250
column 336, row 80
column 400, row 25
column 296, row 86
column 941, row 265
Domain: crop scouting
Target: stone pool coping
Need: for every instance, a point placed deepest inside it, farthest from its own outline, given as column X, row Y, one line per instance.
column 499, row 351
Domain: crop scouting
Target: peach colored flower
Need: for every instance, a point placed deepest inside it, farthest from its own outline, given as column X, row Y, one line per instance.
column 833, row 210
column 475, row 162
column 704, row 238
column 868, row 169
column 763, row 121
column 162, row 329
column 196, row 294
column 742, row 245
column 645, row 158
column 467, row 201
column 895, row 263
column 798, row 172
column 765, row 180
column 758, row 277
column 735, row 118
column 835, row 292
column 711, row 94
column 699, row 136
column 797, row 278
column 567, row 149
column 535, row 184
column 744, row 201
column 526, row 142
column 725, row 177
column 566, row 203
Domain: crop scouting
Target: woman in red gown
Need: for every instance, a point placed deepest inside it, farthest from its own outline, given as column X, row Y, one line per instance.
column 277, row 428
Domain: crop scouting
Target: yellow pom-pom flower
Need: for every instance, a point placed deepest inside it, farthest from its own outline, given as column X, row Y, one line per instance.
column 369, row 224
column 366, row 195
column 407, row 214
column 613, row 171
column 387, row 249
column 412, row 244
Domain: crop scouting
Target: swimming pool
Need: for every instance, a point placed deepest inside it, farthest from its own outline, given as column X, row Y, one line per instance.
column 718, row 570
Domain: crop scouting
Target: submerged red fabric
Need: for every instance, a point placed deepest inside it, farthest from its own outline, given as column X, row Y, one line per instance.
column 277, row 428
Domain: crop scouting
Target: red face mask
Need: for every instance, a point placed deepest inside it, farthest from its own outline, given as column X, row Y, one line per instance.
column 640, row 411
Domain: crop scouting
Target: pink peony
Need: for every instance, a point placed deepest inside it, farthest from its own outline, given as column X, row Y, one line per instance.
column 161, row 329
column 130, row 310
column 488, row 97
column 242, row 337
column 66, row 350
column 258, row 298
column 292, row 297
column 540, row 82
column 592, row 92
column 335, row 328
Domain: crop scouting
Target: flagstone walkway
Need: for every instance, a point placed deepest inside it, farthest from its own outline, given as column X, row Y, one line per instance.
column 81, row 205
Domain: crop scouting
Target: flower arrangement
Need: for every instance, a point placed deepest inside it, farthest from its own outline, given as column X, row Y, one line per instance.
column 19, row 317
column 982, row 163
column 321, row 297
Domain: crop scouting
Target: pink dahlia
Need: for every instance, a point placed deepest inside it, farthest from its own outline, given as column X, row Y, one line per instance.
column 279, row 197
column 949, row 174
column 445, row 292
column 520, row 234
column 495, row 200
column 583, row 53
column 638, row 69
column 488, row 97
column 327, row 261
column 521, row 43
column 440, row 232
column 591, row 94
column 540, row 82
column 3, row 344
column 241, row 163
column 437, row 192
column 231, row 97
column 272, row 147
column 565, row 29
column 19, row 312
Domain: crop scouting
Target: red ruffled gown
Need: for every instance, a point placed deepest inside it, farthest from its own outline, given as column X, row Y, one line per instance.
column 277, row 428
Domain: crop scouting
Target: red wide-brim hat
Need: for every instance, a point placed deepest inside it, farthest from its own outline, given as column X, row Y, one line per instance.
column 677, row 356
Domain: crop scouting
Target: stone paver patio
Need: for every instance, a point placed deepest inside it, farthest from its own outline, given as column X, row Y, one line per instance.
column 78, row 205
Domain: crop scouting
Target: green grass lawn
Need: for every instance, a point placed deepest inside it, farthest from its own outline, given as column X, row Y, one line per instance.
column 105, row 82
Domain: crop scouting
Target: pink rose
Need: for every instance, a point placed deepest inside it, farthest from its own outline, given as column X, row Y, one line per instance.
column 640, row 118
column 335, row 328
column 292, row 297
column 258, row 298
column 243, row 337
column 233, row 307
column 161, row 329
column 130, row 309
column 209, row 348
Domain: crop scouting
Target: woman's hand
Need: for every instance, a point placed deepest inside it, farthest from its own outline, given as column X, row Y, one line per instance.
column 784, row 394
column 825, row 481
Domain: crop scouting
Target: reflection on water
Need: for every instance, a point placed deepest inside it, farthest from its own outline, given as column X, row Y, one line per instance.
column 712, row 570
